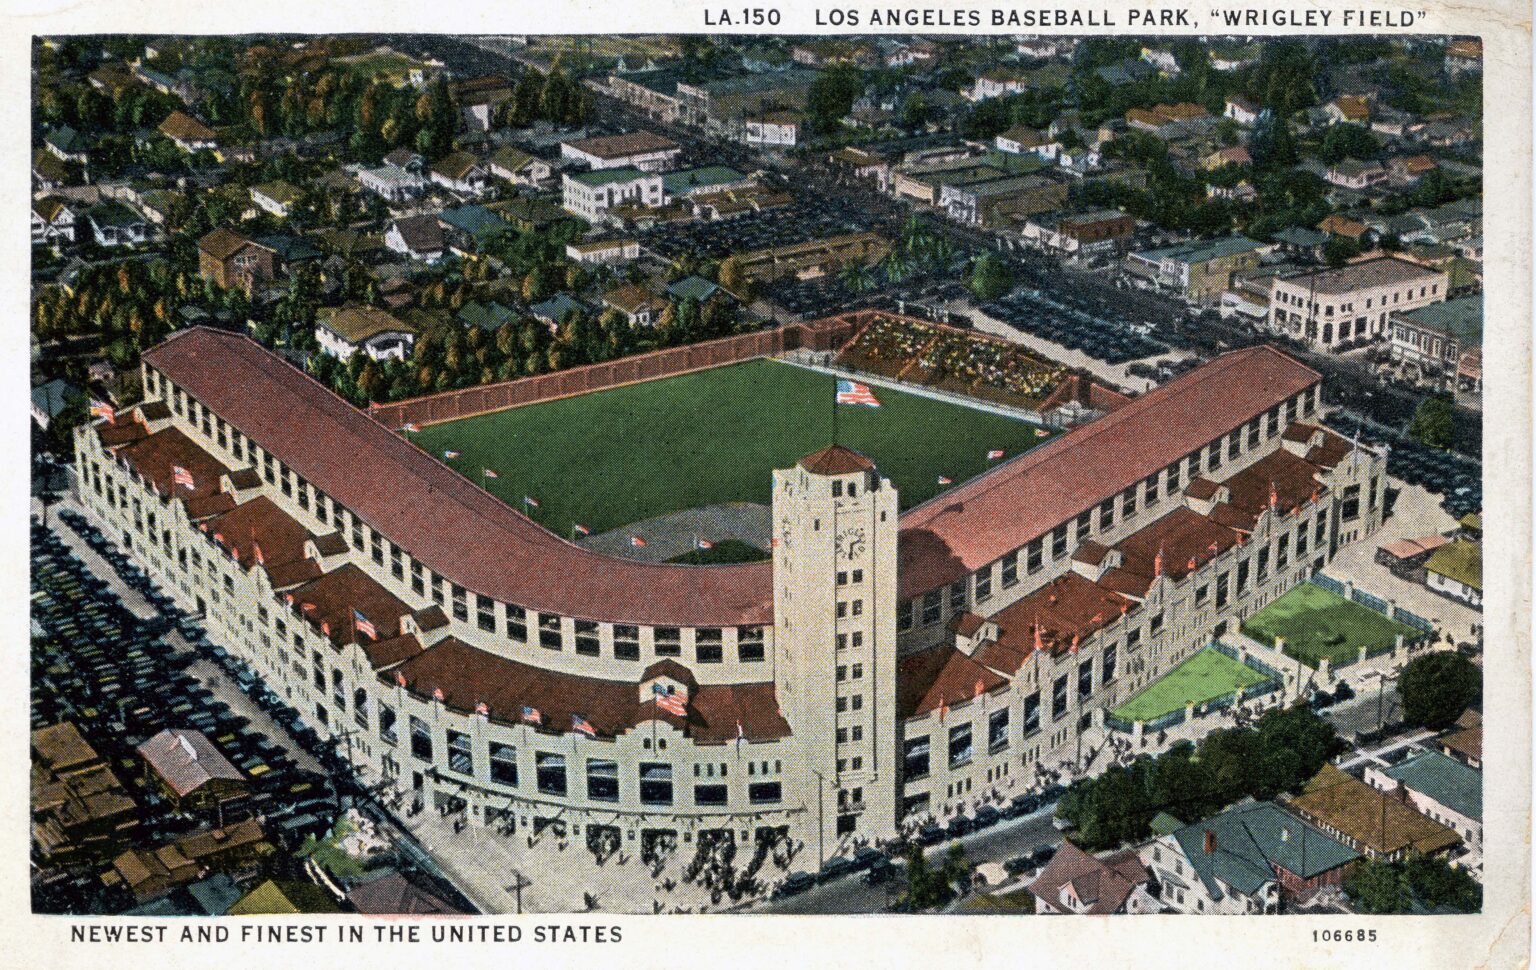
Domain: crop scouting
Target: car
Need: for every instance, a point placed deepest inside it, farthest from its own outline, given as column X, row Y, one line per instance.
column 1344, row 692
column 794, row 884
column 987, row 815
column 866, row 857
column 1019, row 864
column 879, row 873
column 958, row 826
column 930, row 835
column 835, row 868
column 1062, row 824
column 1052, row 794
column 1044, row 854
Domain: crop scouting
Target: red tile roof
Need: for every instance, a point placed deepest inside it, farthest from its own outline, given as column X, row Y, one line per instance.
column 1181, row 536
column 338, row 593
column 455, row 528
column 836, row 460
column 259, row 522
column 1069, row 606
column 467, row 676
column 975, row 524
column 941, row 676
column 156, row 457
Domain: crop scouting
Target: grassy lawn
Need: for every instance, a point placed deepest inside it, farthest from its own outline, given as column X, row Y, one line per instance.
column 1316, row 624
column 614, row 457
column 725, row 552
column 1205, row 676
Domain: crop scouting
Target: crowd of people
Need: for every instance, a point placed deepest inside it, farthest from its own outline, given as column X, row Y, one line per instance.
column 950, row 359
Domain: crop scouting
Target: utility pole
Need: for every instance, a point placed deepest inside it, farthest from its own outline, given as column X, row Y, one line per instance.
column 821, row 853
column 518, row 882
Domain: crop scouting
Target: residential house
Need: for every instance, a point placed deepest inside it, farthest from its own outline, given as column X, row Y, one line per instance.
column 1244, row 112
column 555, row 310
column 48, row 173
column 640, row 306
column 1351, row 109
column 637, row 150
column 1200, row 271
column 52, row 220
column 1354, row 174
column 1411, row 168
column 1022, row 138
column 470, row 226
column 1074, row 882
column 1464, row 741
column 285, row 897
column 1327, row 308
column 51, row 399
column 394, row 183
column 151, row 873
column 1456, row 570
column 591, row 194
column 377, row 333
column 79, row 807
column 115, row 224
column 693, row 287
column 1344, row 227
column 1446, row 790
column 388, row 893
column 1222, row 157
column 1162, row 59
column 1250, row 858
column 230, row 259
column 417, row 237
column 460, row 172
column 520, row 167
column 68, row 145
column 189, row 134
column 277, row 198
column 1373, row 823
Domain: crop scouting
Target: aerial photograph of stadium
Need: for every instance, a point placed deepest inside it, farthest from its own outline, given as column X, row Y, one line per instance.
column 759, row 474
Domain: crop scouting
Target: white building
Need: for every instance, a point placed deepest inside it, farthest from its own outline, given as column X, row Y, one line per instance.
column 778, row 130
column 393, row 183
column 1329, row 307
column 591, row 194
column 376, row 333
column 1440, row 787
column 640, row 149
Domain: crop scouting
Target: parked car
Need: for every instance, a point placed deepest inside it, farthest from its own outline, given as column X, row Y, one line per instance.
column 835, row 868
column 930, row 835
column 879, row 873
column 987, row 815
column 866, row 857
column 1020, row 806
column 1052, row 794
column 1343, row 693
column 794, row 884
column 958, row 826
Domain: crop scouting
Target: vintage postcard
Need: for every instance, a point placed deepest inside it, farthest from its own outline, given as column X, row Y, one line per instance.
column 512, row 484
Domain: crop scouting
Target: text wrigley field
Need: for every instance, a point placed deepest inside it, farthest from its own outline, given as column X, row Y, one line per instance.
column 1065, row 18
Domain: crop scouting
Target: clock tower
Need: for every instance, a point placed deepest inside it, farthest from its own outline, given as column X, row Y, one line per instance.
column 834, row 573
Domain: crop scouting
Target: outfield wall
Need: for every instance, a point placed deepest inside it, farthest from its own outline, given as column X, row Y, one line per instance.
column 818, row 335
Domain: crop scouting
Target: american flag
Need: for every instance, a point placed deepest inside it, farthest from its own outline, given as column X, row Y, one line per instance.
column 532, row 715
column 482, row 708
column 669, row 701
column 636, row 541
column 699, row 543
column 530, row 501
column 487, row 473
column 181, row 476
column 437, row 694
column 994, row 454
column 852, row 392
column 101, row 409
column 946, row 480
column 364, row 625
column 450, row 455
column 412, row 427
column 581, row 725
column 581, row 530
column 1042, row 433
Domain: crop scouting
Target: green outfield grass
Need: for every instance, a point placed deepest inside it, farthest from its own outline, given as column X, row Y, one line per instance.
column 1316, row 624
column 1205, row 676
column 614, row 457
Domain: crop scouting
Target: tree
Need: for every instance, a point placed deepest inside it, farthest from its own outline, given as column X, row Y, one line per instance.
column 1377, row 888
column 1437, row 687
column 831, row 96
column 990, row 277
column 1434, row 422
column 1347, row 141
column 1340, row 250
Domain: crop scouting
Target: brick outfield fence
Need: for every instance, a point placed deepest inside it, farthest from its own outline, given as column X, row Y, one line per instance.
column 818, row 335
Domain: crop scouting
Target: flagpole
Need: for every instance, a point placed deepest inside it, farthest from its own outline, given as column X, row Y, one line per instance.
column 834, row 410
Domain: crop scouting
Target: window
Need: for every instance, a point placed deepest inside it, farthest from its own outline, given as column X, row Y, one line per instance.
column 517, row 622
column 997, row 731
column 626, row 642
column 749, row 644
column 460, row 758
column 1084, row 526
column 1059, row 697
column 707, row 646
column 586, row 638
column 1106, row 514
column 712, row 796
column 503, row 764
column 602, row 780
column 957, row 597
column 764, row 793
column 1085, row 678
column 904, row 611
column 1202, row 593
column 549, row 631
column 1011, row 570
column 551, row 773
column 1221, row 591
column 421, row 739
column 387, row 725
column 655, row 783
column 984, row 585
column 1058, row 543
column 1032, row 713
column 669, row 641
column 1034, row 556
column 959, row 745
column 916, row 758
column 485, row 611
column 933, row 606
column 1128, row 502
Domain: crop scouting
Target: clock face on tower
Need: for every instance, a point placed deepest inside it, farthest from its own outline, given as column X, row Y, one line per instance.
column 851, row 543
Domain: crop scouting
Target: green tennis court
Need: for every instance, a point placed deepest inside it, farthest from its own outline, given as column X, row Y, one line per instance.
column 1317, row 623
column 1205, row 676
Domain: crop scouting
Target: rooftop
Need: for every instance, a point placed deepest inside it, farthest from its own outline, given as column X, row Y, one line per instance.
column 622, row 146
column 1365, row 274
column 1443, row 779
column 1461, row 317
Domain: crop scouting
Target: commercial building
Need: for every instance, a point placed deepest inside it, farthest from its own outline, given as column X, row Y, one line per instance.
column 880, row 667
column 1437, row 338
column 1328, row 308
column 1198, row 271
column 1103, row 230
column 638, row 150
column 591, row 194
column 1374, row 823
column 1446, row 790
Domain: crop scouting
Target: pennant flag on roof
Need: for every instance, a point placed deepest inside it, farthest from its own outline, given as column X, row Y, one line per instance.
column 701, row 543
column 449, row 454
column 1042, row 433
column 946, row 480
column 581, row 530
column 482, row 708
column 995, row 454
column 581, row 725
column 636, row 541
column 532, row 715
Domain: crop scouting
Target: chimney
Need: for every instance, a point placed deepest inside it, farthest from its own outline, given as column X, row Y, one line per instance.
column 1210, row 842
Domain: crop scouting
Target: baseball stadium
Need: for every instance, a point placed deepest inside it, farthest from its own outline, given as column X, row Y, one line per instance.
column 968, row 564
